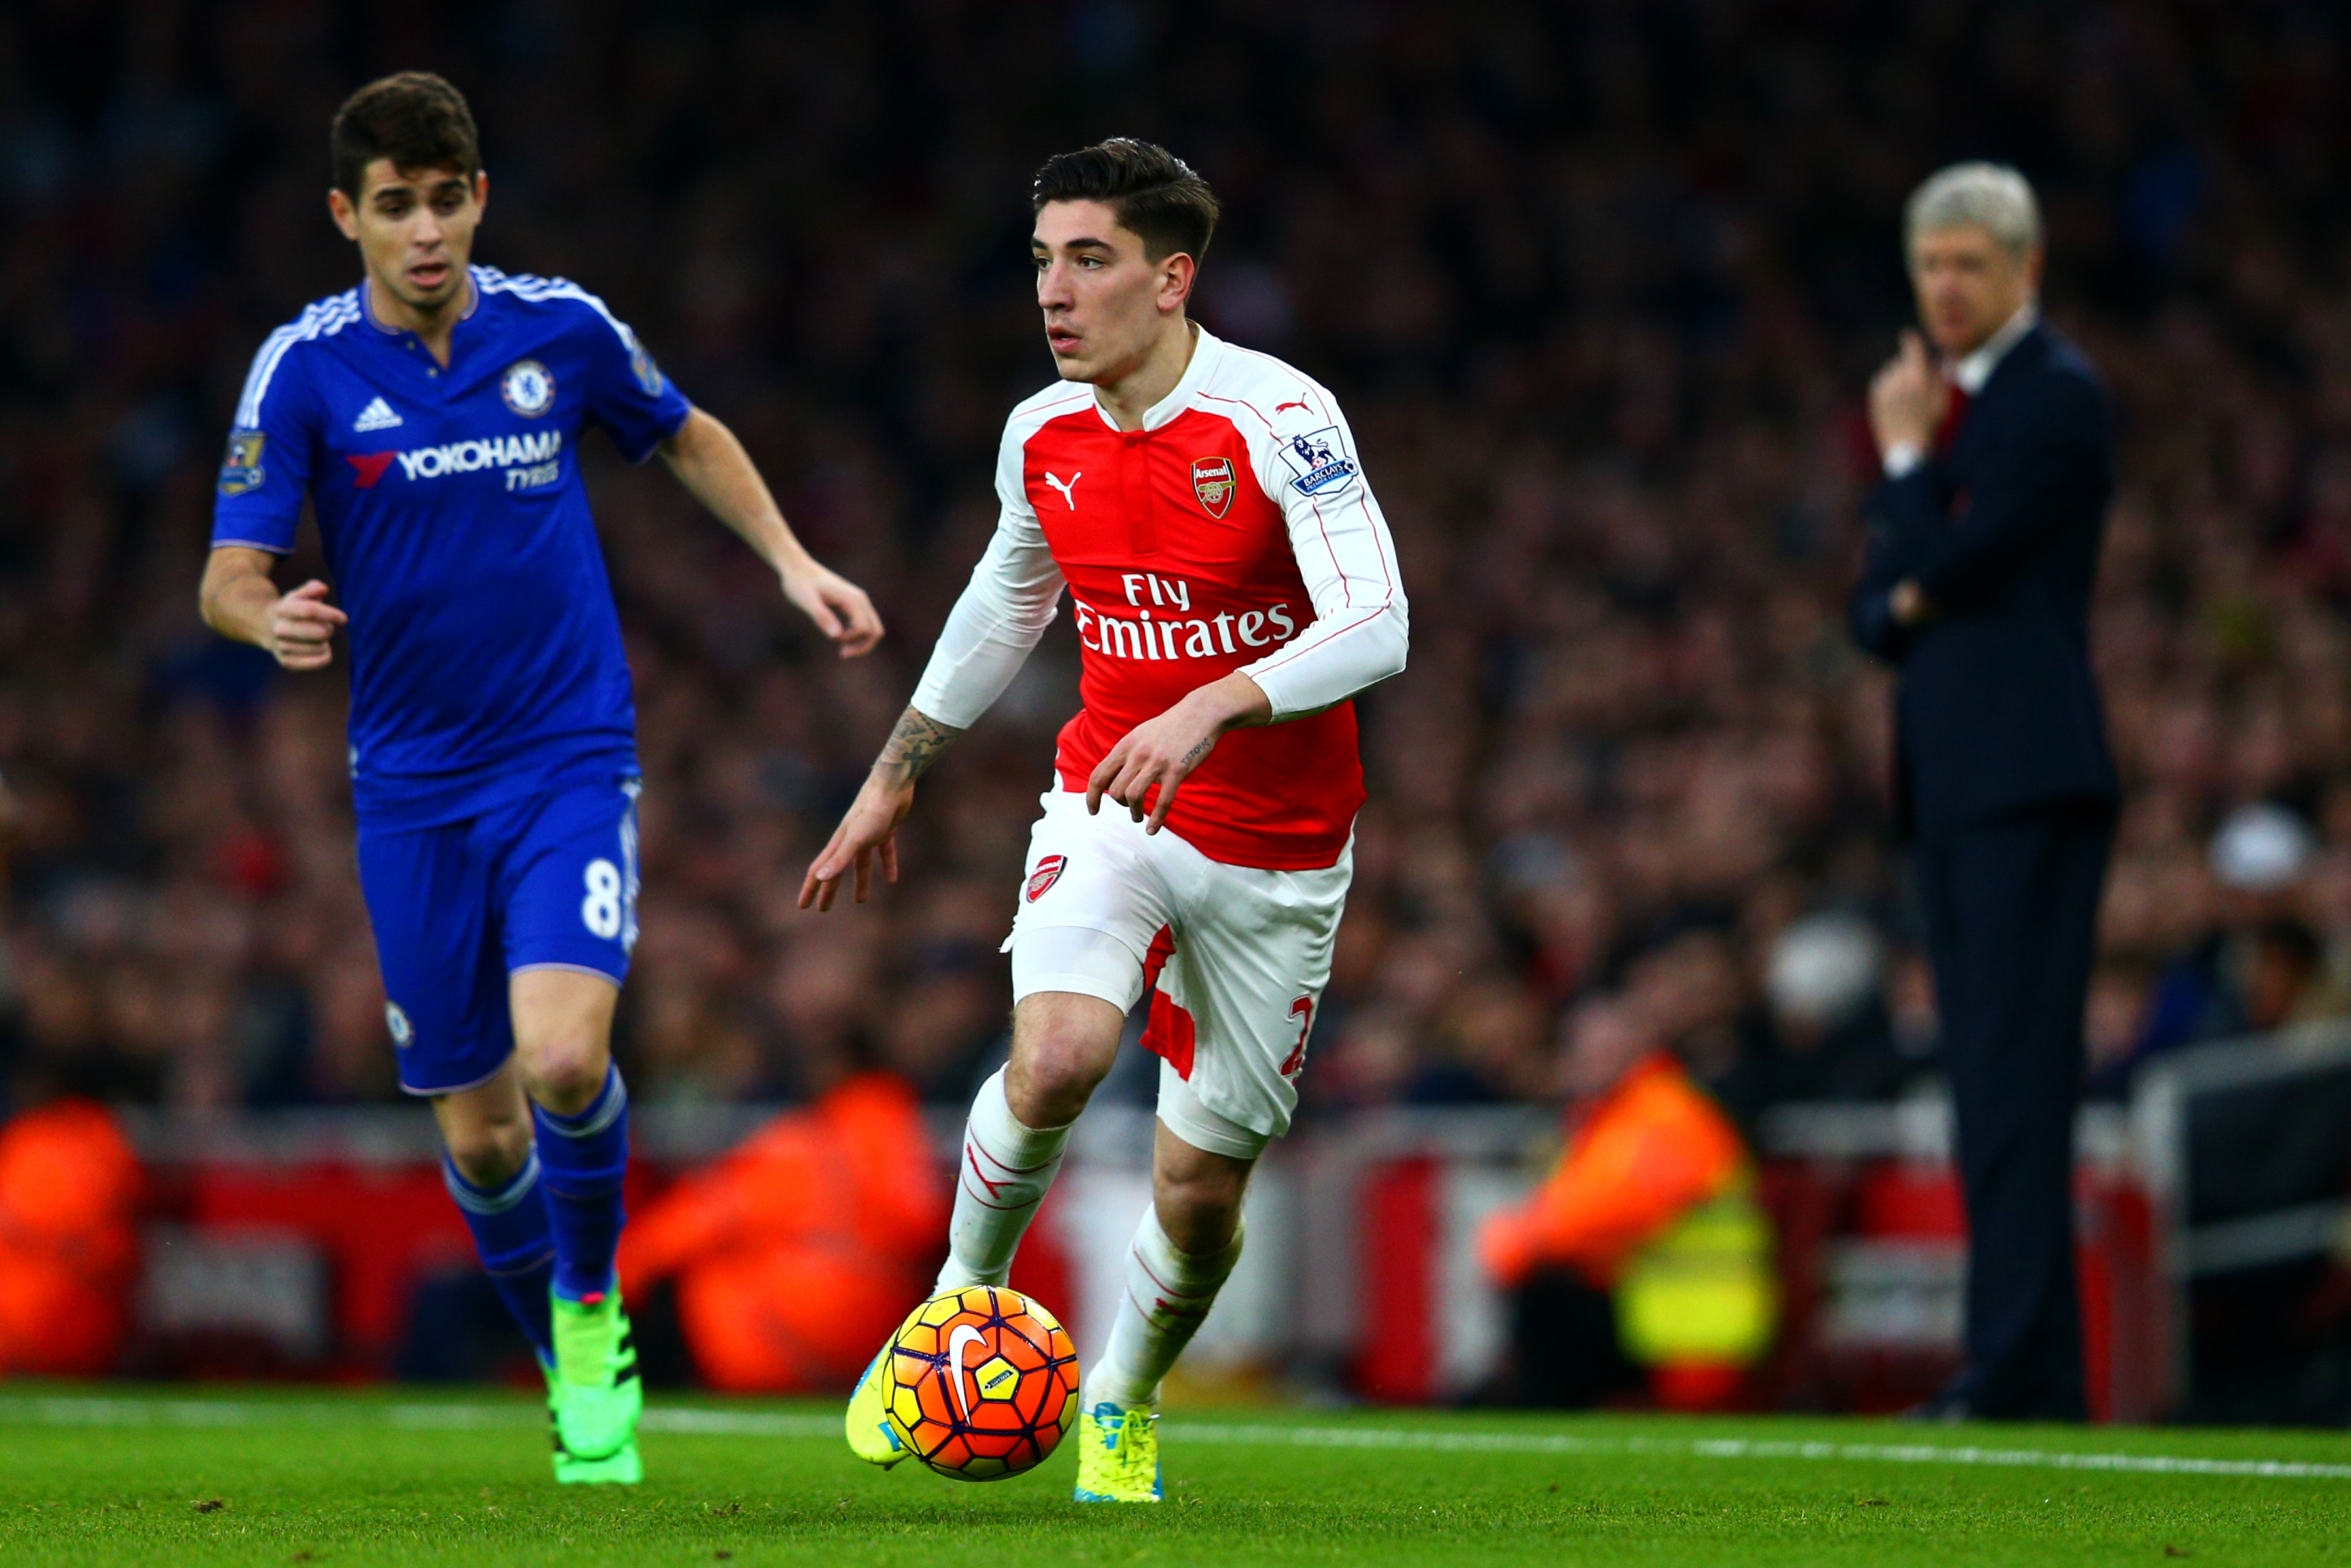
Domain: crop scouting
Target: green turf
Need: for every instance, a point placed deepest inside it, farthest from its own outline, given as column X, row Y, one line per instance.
column 309, row 1477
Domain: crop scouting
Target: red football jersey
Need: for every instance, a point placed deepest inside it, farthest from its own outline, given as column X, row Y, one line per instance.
column 1234, row 532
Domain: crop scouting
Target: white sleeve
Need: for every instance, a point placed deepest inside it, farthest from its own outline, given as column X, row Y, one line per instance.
column 1361, row 624
column 1002, row 612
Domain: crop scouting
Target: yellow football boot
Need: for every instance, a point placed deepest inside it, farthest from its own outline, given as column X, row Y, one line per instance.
column 870, row 1436
column 1118, row 1453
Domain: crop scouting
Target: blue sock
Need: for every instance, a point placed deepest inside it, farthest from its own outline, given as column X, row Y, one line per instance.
column 586, row 1158
column 511, row 1233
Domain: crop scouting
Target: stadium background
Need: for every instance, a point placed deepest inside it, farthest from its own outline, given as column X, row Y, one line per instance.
column 1600, row 285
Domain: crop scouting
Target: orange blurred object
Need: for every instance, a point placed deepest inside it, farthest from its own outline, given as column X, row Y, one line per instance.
column 800, row 1250
column 69, row 1188
column 1653, row 1201
column 1638, row 1159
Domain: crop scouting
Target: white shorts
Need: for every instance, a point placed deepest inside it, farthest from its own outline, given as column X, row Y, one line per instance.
column 1239, row 957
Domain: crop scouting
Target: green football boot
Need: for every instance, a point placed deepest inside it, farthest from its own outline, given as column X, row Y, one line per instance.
column 1118, row 1453
column 593, row 1392
column 623, row 1469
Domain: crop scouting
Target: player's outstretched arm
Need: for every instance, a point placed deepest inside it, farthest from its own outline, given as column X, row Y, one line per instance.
column 870, row 828
column 716, row 470
column 1160, row 754
column 239, row 599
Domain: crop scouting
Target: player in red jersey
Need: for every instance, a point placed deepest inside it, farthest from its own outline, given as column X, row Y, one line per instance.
column 1233, row 586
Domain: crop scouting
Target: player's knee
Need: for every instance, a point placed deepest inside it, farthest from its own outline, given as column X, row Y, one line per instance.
column 487, row 1153
column 1199, row 1200
column 1063, row 1048
column 563, row 1031
column 1050, row 1083
column 564, row 1073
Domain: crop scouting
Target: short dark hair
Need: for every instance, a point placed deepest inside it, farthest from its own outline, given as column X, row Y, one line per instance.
column 1157, row 196
column 416, row 118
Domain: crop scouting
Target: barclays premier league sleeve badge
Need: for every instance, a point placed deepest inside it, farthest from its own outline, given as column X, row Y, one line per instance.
column 1318, row 461
column 648, row 374
column 241, row 467
column 642, row 366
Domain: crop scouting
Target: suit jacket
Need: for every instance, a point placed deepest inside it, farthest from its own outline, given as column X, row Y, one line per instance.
column 1997, row 707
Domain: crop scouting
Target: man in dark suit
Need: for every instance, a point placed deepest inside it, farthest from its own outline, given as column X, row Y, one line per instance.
column 1984, row 540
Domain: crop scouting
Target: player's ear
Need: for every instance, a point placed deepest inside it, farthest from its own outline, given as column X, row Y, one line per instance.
column 481, row 189
column 1175, row 276
column 346, row 216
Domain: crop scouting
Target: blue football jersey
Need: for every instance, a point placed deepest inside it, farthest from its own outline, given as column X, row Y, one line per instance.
column 484, row 648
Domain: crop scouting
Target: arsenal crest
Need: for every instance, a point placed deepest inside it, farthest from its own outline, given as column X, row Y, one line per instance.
column 1212, row 481
column 1049, row 871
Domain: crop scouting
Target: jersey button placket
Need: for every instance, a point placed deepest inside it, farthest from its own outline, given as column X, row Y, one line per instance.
column 1135, row 491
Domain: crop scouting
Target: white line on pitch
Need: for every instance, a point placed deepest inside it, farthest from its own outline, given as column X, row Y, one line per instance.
column 64, row 1410
column 1743, row 1448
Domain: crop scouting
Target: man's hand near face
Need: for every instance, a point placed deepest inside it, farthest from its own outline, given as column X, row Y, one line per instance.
column 1906, row 400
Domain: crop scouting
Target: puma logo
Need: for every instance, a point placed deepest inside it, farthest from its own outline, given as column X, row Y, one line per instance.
column 1065, row 486
column 1280, row 406
column 966, row 1335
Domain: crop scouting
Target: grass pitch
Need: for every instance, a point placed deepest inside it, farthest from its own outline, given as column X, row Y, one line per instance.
column 111, row 1476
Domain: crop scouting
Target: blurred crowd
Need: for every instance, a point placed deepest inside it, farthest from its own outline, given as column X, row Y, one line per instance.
column 1600, row 285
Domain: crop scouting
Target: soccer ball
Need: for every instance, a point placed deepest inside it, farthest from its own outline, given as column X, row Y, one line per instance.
column 982, row 1384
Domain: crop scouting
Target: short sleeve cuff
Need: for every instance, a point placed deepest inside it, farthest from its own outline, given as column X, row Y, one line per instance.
column 655, row 438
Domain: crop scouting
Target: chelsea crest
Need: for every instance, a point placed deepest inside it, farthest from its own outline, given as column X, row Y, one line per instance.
column 528, row 388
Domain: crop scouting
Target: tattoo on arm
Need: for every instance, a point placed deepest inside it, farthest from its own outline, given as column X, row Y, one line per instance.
column 1192, row 758
column 914, row 745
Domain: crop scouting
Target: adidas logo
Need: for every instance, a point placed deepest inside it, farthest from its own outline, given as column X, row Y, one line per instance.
column 377, row 415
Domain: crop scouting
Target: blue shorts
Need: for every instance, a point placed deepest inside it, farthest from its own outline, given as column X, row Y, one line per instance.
column 548, row 882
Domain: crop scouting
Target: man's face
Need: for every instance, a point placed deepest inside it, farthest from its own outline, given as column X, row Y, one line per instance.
column 1604, row 1041
column 1102, row 298
column 1969, row 285
column 414, row 229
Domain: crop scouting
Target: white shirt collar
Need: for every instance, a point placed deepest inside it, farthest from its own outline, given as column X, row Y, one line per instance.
column 1206, row 348
column 1971, row 373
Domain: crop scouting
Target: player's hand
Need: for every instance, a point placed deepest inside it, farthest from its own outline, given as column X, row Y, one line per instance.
column 869, row 831
column 302, row 628
column 838, row 606
column 1160, row 754
column 1906, row 399
column 1909, row 603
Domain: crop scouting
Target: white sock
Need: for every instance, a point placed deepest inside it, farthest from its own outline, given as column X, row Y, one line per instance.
column 1007, row 1167
column 1168, row 1295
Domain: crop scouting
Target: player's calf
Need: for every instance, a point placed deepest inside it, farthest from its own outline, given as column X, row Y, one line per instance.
column 1196, row 1194
column 1171, row 1284
column 1168, row 1295
column 493, row 1177
column 1006, row 1168
column 1063, row 1046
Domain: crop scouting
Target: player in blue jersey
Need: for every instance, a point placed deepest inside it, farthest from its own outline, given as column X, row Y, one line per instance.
column 432, row 417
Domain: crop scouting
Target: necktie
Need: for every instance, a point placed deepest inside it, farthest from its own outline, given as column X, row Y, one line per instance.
column 1955, row 414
